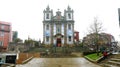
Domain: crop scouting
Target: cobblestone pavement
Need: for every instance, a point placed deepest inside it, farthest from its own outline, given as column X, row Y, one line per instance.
column 58, row 62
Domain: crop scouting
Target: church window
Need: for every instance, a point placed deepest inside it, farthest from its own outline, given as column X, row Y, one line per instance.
column 69, row 15
column 47, row 38
column 69, row 26
column 69, row 38
column 58, row 29
column 47, row 17
column 47, row 27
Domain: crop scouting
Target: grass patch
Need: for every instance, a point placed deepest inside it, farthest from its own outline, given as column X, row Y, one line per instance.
column 94, row 56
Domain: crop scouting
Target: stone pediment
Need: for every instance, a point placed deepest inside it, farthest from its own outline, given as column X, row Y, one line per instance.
column 58, row 18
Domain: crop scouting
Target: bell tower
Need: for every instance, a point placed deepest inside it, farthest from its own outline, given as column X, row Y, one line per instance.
column 48, row 14
column 47, row 27
column 69, row 27
column 68, row 14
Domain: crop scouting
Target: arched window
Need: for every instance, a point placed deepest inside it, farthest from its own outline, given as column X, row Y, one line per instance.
column 58, row 30
column 69, row 38
column 47, row 16
column 69, row 15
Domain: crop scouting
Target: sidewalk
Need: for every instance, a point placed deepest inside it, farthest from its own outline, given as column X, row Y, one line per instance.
column 59, row 62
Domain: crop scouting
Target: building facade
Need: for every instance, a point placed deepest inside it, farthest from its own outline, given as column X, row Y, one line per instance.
column 58, row 30
column 5, row 34
column 76, row 36
column 14, row 35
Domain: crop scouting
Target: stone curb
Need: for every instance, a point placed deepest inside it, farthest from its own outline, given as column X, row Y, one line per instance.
column 27, row 60
column 94, row 61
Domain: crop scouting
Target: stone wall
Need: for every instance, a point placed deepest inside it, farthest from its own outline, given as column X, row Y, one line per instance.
column 18, row 47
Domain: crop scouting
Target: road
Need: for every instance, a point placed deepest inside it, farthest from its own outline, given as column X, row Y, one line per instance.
column 58, row 62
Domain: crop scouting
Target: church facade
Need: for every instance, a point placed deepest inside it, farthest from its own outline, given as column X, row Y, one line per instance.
column 58, row 30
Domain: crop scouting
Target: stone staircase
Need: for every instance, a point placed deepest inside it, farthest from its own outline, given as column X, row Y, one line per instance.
column 60, row 49
column 113, row 61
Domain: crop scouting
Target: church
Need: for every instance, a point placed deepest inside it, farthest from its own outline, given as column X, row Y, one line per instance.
column 58, row 30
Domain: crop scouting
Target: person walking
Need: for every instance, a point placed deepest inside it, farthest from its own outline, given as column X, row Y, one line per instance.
column 105, row 54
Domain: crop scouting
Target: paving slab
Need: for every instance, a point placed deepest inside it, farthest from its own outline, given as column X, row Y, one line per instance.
column 59, row 62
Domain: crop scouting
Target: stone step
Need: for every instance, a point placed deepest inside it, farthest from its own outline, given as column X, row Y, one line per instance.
column 114, row 63
column 60, row 49
column 115, row 59
column 108, row 65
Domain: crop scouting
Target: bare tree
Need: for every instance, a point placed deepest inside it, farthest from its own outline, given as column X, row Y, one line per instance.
column 95, row 29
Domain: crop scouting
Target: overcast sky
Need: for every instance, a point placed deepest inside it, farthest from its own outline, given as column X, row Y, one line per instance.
column 26, row 16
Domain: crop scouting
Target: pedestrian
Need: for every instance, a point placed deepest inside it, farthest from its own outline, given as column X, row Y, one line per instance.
column 105, row 54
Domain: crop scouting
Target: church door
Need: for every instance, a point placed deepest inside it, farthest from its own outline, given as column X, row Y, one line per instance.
column 58, row 42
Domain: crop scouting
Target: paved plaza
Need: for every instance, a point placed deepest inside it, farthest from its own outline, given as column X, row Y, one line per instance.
column 59, row 62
